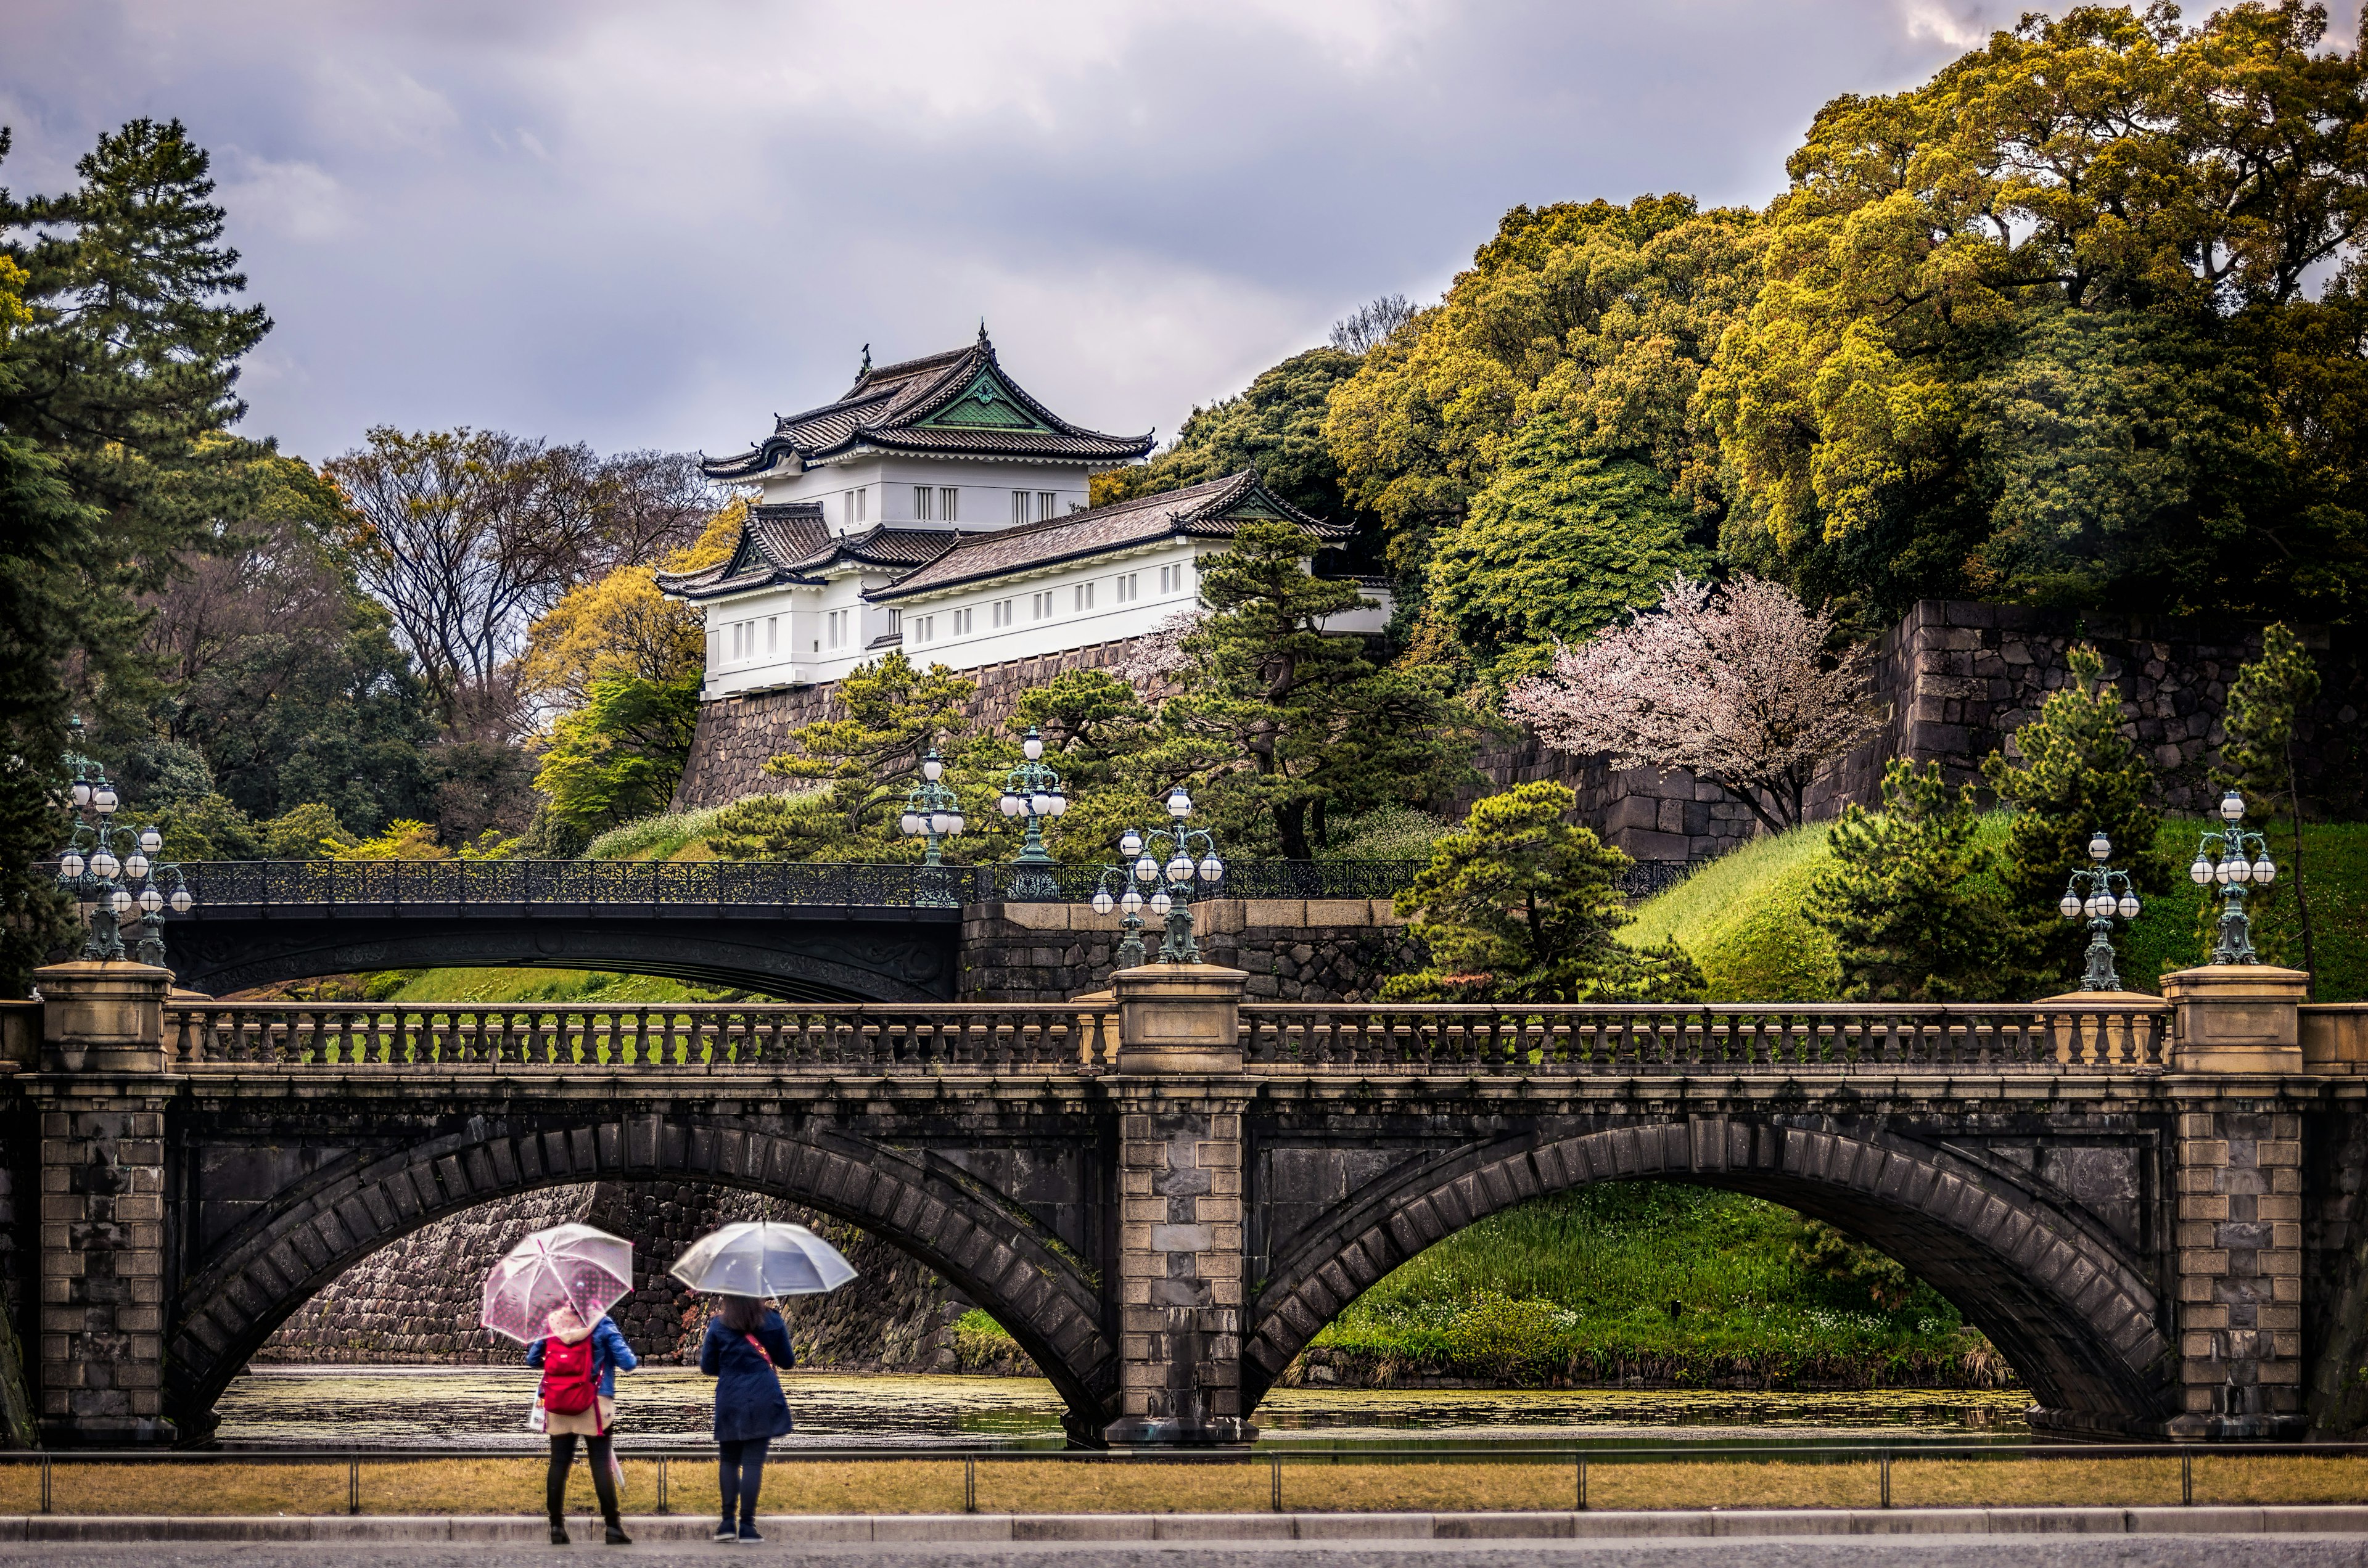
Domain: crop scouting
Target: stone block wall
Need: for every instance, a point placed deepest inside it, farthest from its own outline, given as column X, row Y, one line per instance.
column 1179, row 1264
column 1293, row 950
column 2239, row 1259
column 737, row 735
column 415, row 1302
column 1954, row 679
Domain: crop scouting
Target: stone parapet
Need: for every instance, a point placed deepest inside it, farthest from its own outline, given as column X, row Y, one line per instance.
column 1290, row 949
column 102, row 1018
column 2237, row 1019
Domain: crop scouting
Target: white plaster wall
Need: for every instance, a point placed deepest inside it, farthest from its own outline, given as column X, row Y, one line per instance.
column 986, row 488
column 797, row 662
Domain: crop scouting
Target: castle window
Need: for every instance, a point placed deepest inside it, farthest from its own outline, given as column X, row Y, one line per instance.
column 925, row 629
column 895, row 622
column 834, row 626
column 1022, row 507
column 1040, row 606
column 965, row 622
column 1045, row 499
column 922, row 496
column 1129, row 586
column 772, row 632
column 1084, row 595
column 949, row 505
column 1000, row 615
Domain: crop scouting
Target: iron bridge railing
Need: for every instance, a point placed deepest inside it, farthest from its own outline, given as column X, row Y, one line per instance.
column 215, row 883
column 1277, row 1041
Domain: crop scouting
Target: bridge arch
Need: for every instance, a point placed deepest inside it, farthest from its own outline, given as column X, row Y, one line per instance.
column 2077, row 1319
column 275, row 1260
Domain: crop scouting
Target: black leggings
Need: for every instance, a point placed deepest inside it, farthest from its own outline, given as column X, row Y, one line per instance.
column 740, row 1473
column 604, row 1479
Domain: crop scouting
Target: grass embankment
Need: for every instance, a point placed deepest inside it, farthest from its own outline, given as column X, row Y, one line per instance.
column 1640, row 1282
column 1310, row 1484
column 1742, row 918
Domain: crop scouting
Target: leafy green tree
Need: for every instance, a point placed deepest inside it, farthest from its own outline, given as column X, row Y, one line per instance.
column 2077, row 774
column 1557, row 546
column 1275, row 425
column 117, row 359
column 2037, row 329
column 1912, row 915
column 1519, row 906
column 209, row 828
column 1286, row 726
column 1092, row 724
column 1605, row 314
column 617, row 758
column 309, row 832
column 2266, row 704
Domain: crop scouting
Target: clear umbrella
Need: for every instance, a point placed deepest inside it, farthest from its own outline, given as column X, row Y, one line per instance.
column 576, row 1266
column 762, row 1259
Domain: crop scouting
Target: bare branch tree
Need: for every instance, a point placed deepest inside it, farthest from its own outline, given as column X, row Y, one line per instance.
column 467, row 535
column 1734, row 685
column 1370, row 324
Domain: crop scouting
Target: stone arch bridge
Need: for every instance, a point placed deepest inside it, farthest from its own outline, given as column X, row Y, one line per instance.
column 2151, row 1208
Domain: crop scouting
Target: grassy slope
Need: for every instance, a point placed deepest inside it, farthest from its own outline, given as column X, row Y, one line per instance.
column 1740, row 917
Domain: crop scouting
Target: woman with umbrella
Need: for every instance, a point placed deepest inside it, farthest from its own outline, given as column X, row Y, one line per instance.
column 746, row 1341
column 562, row 1282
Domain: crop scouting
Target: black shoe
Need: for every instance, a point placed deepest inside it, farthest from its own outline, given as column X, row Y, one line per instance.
column 617, row 1536
column 748, row 1531
column 726, row 1532
column 559, row 1535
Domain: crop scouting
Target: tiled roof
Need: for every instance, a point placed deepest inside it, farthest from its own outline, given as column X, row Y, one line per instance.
column 911, row 406
column 792, row 543
column 1211, row 509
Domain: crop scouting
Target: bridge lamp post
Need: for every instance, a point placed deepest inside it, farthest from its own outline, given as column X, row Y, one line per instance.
column 1171, row 882
column 2099, row 893
column 1033, row 790
column 2243, row 856
column 932, row 814
column 1129, row 903
column 106, row 885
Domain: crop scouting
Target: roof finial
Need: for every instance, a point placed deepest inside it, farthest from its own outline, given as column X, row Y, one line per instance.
column 867, row 361
column 982, row 329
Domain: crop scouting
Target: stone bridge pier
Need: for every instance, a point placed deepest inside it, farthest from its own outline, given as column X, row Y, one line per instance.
column 2153, row 1207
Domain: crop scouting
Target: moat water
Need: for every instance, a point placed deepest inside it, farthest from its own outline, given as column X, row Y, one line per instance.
column 487, row 1407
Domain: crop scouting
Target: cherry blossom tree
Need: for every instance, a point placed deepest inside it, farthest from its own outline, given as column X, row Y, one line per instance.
column 1734, row 684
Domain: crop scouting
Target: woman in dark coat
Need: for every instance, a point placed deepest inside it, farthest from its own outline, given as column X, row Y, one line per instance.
column 744, row 1342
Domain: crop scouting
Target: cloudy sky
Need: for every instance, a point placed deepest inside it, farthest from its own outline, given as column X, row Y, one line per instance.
column 653, row 225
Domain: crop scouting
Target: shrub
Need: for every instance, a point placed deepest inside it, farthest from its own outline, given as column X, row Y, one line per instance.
column 1902, row 900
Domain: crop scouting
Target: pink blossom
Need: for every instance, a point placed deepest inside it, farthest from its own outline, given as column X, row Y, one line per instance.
column 1734, row 684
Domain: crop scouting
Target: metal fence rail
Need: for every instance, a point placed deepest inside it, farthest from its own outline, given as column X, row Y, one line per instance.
column 1644, row 1038
column 674, row 1036
column 1274, row 1460
column 215, row 883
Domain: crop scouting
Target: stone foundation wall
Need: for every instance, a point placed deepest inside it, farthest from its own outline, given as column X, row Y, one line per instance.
column 416, row 1300
column 1294, row 949
column 737, row 735
column 1954, row 679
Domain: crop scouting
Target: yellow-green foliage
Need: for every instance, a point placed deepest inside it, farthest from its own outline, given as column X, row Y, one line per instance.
column 523, row 986
column 1740, row 917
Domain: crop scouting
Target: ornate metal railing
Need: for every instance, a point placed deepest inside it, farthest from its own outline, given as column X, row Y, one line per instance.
column 329, row 882
column 1716, row 1038
column 684, row 1037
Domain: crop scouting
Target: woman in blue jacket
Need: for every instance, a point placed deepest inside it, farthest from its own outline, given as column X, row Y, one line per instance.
column 744, row 1342
column 610, row 1355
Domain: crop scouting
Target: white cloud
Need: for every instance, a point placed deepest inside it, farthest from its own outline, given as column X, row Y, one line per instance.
column 299, row 200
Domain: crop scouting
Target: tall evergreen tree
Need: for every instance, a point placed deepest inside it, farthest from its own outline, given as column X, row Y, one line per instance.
column 1289, row 726
column 119, row 352
column 2266, row 702
column 2078, row 774
column 1910, row 921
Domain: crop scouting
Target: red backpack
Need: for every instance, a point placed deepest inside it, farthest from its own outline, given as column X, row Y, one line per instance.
column 570, row 1382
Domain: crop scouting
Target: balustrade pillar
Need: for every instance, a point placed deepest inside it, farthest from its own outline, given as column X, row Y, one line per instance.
column 100, row 1095
column 2236, row 1030
column 1180, row 1095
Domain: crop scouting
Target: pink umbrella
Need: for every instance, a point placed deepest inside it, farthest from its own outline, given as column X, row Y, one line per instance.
column 576, row 1266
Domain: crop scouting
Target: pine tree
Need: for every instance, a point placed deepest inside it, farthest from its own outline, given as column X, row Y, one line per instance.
column 1519, row 906
column 117, row 361
column 2078, row 774
column 1287, row 726
column 2266, row 702
column 1909, row 917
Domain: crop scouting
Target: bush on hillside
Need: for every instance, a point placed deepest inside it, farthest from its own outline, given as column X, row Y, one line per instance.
column 1904, row 899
